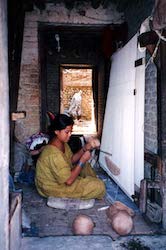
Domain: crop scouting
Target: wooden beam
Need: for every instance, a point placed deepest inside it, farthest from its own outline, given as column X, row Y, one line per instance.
column 148, row 38
column 18, row 115
column 153, row 184
column 143, row 196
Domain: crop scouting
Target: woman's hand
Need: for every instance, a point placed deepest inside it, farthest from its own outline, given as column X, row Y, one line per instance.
column 76, row 171
column 90, row 145
column 85, row 157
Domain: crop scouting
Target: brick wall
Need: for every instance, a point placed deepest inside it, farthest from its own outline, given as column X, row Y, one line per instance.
column 29, row 92
column 29, row 98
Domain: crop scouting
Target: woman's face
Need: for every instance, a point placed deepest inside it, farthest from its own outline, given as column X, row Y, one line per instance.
column 64, row 134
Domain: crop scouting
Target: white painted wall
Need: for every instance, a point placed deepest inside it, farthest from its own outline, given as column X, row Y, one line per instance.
column 4, row 130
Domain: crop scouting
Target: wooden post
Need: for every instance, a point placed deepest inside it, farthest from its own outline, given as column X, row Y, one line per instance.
column 143, row 196
column 162, row 125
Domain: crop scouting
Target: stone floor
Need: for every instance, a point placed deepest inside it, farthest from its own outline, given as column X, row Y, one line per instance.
column 94, row 242
column 68, row 242
column 47, row 222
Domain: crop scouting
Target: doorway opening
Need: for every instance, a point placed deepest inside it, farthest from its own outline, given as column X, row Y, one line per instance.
column 77, row 97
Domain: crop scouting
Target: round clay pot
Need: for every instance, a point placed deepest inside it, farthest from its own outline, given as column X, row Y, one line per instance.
column 122, row 223
column 82, row 225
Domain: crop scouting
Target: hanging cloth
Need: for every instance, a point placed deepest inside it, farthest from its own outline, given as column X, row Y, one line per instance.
column 159, row 17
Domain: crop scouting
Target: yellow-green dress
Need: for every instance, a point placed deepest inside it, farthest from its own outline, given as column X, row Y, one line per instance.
column 54, row 168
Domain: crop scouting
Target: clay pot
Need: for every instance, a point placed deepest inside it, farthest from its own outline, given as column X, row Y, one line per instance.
column 83, row 225
column 122, row 223
column 120, row 218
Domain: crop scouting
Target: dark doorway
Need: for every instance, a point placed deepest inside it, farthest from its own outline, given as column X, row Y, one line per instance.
column 75, row 47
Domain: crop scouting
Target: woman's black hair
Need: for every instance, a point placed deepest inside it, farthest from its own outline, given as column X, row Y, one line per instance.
column 61, row 121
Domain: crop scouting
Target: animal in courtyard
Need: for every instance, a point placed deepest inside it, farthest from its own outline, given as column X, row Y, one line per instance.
column 75, row 105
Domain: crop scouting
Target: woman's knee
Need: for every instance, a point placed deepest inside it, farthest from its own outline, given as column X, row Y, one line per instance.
column 101, row 188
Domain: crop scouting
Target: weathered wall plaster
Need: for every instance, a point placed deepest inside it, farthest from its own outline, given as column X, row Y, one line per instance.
column 29, row 87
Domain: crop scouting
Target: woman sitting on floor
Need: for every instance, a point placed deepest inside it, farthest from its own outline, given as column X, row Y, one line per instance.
column 60, row 173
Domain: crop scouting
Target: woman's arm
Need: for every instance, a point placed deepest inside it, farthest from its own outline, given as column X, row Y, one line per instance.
column 76, row 171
